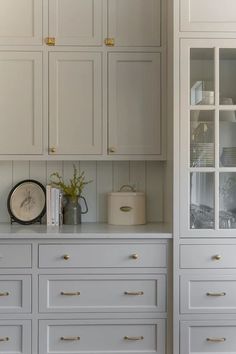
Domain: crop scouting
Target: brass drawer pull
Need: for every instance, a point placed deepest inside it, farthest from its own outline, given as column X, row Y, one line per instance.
column 217, row 257
column 216, row 340
column 216, row 294
column 4, row 339
column 135, row 256
column 6, row 293
column 66, row 257
column 126, row 208
column 70, row 338
column 135, row 293
column 76, row 293
column 50, row 41
column 109, row 42
column 134, row 338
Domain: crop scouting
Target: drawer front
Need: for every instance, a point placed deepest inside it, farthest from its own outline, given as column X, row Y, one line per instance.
column 208, row 294
column 208, row 337
column 207, row 256
column 15, row 256
column 103, row 256
column 138, row 336
column 15, row 294
column 15, row 337
column 74, row 293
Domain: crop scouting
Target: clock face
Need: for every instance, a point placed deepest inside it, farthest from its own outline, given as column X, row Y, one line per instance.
column 27, row 201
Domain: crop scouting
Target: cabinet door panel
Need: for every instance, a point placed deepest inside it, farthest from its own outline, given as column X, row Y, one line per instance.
column 208, row 15
column 134, row 103
column 21, row 102
column 75, row 117
column 76, row 22
column 134, row 22
column 20, row 22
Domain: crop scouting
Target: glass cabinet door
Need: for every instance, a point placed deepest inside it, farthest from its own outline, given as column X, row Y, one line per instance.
column 208, row 137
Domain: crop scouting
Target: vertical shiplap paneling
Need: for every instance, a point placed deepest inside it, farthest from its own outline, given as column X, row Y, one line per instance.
column 20, row 171
column 5, row 187
column 38, row 171
column 90, row 191
column 138, row 175
column 121, row 174
column 106, row 176
column 104, row 186
column 155, row 191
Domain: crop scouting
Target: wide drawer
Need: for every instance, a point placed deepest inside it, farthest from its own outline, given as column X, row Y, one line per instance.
column 208, row 294
column 68, row 336
column 208, row 256
column 15, row 256
column 15, row 337
column 102, row 255
column 75, row 293
column 208, row 337
column 15, row 293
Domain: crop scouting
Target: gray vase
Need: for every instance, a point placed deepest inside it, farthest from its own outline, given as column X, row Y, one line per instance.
column 72, row 210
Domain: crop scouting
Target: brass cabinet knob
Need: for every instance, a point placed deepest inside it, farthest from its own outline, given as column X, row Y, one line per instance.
column 217, row 257
column 52, row 150
column 50, row 41
column 135, row 256
column 109, row 42
column 112, row 149
column 66, row 257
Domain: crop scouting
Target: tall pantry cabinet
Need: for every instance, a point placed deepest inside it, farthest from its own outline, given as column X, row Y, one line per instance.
column 205, row 177
column 92, row 79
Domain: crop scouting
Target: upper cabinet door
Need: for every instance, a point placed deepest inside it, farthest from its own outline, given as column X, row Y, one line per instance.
column 134, row 22
column 208, row 15
column 76, row 22
column 21, row 22
column 21, row 103
column 75, row 103
column 134, row 103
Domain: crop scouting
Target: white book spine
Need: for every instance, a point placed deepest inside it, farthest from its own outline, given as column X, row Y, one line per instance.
column 48, row 204
column 57, row 209
column 53, row 207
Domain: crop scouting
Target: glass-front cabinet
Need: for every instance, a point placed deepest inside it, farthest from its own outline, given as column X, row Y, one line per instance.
column 208, row 138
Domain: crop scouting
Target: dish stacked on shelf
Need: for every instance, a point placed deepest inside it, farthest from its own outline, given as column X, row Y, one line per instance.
column 228, row 157
column 202, row 155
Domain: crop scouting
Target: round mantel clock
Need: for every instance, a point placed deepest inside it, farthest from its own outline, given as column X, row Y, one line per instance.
column 27, row 202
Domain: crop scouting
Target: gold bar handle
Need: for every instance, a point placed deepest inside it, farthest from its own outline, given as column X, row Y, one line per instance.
column 126, row 208
column 76, row 293
column 216, row 340
column 51, row 41
column 109, row 42
column 216, row 294
column 4, row 339
column 135, row 293
column 134, row 338
column 6, row 293
column 70, row 338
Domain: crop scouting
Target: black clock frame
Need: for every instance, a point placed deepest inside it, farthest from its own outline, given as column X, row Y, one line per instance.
column 13, row 217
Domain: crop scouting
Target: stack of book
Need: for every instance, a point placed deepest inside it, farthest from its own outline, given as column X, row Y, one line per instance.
column 54, row 206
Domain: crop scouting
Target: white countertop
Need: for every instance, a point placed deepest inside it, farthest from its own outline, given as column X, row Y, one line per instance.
column 86, row 230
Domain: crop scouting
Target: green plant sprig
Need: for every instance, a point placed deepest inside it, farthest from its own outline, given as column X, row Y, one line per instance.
column 74, row 187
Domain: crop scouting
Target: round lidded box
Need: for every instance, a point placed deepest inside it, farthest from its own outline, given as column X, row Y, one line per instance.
column 126, row 207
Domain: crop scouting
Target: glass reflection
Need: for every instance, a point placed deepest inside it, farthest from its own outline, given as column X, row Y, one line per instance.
column 227, row 217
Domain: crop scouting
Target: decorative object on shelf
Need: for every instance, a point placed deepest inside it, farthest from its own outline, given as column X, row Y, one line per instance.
column 228, row 193
column 72, row 193
column 27, row 202
column 126, row 207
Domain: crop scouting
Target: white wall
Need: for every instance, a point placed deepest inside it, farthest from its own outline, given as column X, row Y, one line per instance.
column 107, row 176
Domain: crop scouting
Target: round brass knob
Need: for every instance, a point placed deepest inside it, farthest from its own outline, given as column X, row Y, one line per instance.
column 52, row 150
column 135, row 256
column 112, row 149
column 217, row 257
column 66, row 257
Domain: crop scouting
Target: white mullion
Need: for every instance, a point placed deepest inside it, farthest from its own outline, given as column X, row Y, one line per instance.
column 216, row 137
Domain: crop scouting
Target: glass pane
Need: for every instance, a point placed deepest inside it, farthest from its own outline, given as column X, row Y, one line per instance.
column 202, row 200
column 227, row 76
column 202, row 132
column 202, row 76
column 227, row 130
column 227, row 218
